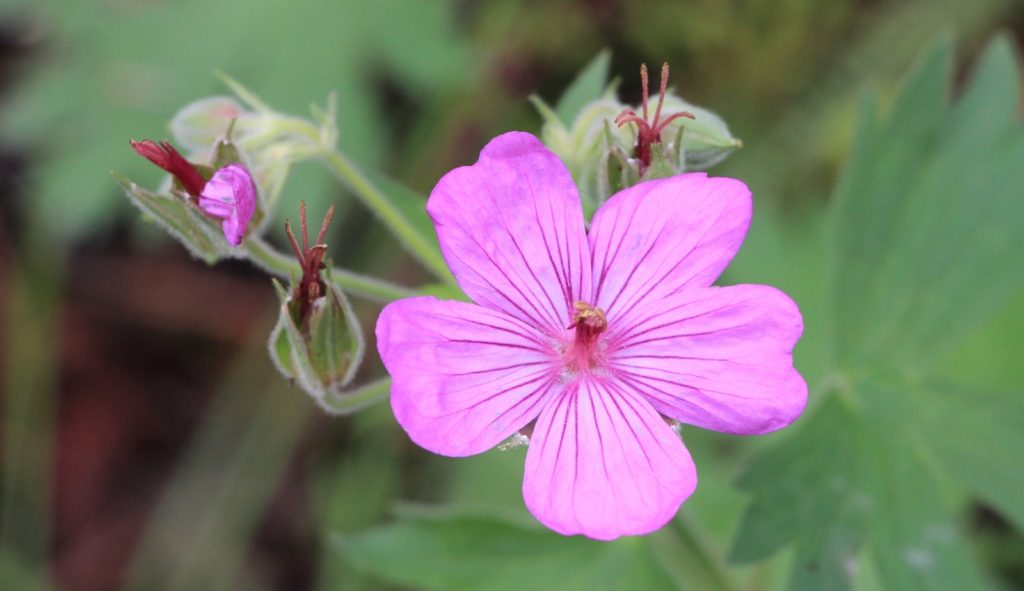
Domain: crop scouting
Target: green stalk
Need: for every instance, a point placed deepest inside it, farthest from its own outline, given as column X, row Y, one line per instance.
column 348, row 402
column 374, row 198
column 372, row 195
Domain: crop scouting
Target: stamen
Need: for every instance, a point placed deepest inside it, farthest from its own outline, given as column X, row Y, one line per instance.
column 643, row 83
column 302, row 220
column 661, row 94
column 664, row 123
column 588, row 322
column 311, row 286
column 323, row 227
column 295, row 244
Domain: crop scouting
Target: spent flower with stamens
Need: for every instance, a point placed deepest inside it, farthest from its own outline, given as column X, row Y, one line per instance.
column 604, row 158
column 648, row 131
column 593, row 342
column 311, row 285
column 317, row 341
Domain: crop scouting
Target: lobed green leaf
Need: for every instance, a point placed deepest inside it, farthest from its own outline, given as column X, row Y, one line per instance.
column 459, row 550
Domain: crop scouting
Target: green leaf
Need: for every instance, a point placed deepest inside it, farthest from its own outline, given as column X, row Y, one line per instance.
column 588, row 86
column 806, row 491
column 976, row 435
column 849, row 479
column 454, row 550
column 915, row 542
column 927, row 238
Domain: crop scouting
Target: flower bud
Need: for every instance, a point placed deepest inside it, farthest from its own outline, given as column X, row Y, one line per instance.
column 223, row 190
column 204, row 121
column 270, row 141
column 230, row 195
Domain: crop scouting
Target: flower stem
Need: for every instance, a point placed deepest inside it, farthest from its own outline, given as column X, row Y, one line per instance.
column 370, row 193
column 348, row 402
column 374, row 198
column 270, row 260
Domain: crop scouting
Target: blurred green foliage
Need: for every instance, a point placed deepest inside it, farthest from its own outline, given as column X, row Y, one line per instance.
column 909, row 279
column 926, row 244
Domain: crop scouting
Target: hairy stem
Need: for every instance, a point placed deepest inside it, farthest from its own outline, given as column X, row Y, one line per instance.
column 349, row 401
column 375, row 199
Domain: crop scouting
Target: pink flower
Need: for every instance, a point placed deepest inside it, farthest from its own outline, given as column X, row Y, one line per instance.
column 230, row 196
column 594, row 339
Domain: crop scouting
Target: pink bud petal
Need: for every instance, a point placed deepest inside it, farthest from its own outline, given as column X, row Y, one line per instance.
column 230, row 196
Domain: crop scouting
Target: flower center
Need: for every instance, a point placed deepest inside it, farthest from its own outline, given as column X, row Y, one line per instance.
column 588, row 322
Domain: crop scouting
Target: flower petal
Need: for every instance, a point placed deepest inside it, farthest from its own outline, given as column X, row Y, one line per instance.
column 464, row 377
column 604, row 464
column 230, row 195
column 511, row 230
column 661, row 236
column 719, row 358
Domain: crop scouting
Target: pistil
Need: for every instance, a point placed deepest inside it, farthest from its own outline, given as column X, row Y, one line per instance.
column 311, row 286
column 648, row 132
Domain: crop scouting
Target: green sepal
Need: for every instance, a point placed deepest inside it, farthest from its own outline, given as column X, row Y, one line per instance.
column 226, row 152
column 180, row 219
column 701, row 142
column 334, row 338
column 321, row 354
column 662, row 166
column 589, row 84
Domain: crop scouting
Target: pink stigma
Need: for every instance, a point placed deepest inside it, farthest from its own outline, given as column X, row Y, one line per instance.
column 648, row 132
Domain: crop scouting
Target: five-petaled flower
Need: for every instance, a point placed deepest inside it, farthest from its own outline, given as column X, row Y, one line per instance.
column 229, row 195
column 591, row 341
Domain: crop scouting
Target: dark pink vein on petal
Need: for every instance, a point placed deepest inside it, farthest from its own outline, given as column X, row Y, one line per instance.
column 656, row 278
column 537, row 378
column 526, row 262
column 607, row 259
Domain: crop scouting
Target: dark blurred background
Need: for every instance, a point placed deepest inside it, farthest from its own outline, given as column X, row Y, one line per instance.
column 148, row 443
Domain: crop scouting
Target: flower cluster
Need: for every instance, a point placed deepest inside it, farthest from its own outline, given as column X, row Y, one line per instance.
column 592, row 342
column 590, row 345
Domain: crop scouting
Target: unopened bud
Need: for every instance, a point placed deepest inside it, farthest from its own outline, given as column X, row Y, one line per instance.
column 269, row 141
column 202, row 122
